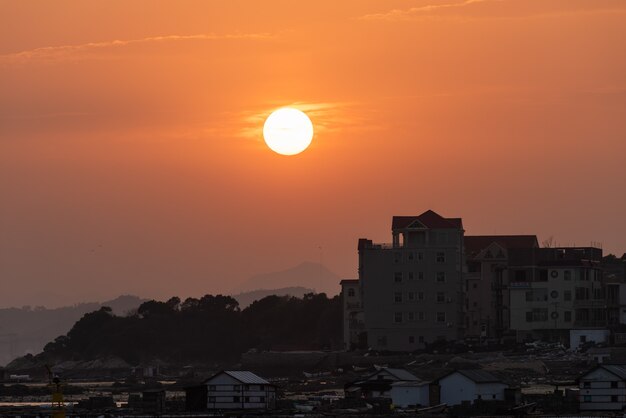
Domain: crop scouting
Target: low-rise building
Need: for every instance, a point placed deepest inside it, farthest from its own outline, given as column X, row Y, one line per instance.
column 401, row 386
column 603, row 388
column 470, row 385
column 353, row 321
column 239, row 390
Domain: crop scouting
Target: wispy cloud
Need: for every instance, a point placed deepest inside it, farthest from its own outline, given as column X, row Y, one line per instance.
column 404, row 14
column 68, row 51
column 326, row 117
column 499, row 9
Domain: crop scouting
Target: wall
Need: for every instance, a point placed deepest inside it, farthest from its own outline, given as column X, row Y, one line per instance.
column 596, row 335
column 456, row 388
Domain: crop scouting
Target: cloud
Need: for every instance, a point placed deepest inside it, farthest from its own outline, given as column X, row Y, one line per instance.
column 500, row 9
column 429, row 9
column 326, row 117
column 61, row 52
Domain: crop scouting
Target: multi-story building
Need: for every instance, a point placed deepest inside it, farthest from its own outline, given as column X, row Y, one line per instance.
column 353, row 324
column 555, row 290
column 412, row 288
column 487, row 310
column 433, row 283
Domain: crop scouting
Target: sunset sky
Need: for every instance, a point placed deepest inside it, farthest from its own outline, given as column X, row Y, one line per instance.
column 132, row 160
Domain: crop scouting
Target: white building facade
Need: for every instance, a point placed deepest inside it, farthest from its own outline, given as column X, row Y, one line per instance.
column 470, row 385
column 603, row 388
column 239, row 390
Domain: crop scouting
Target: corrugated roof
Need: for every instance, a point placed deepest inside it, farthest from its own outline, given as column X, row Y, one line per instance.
column 243, row 376
column 617, row 370
column 479, row 376
column 402, row 374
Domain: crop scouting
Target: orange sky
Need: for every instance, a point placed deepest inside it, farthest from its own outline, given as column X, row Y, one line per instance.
column 131, row 157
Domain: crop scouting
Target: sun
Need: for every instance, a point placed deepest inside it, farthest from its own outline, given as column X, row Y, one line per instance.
column 288, row 131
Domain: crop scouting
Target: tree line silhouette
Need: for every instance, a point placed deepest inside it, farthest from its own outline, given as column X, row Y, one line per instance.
column 212, row 328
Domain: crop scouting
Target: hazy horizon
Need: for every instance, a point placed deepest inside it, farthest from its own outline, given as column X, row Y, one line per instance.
column 131, row 156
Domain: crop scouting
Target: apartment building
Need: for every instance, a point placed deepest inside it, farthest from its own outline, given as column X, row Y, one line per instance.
column 412, row 288
column 353, row 323
column 487, row 307
column 555, row 290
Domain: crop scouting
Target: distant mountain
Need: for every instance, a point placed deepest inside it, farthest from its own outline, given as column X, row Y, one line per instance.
column 309, row 275
column 245, row 299
column 27, row 330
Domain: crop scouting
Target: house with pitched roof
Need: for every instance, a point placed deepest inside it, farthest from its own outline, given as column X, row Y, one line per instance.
column 603, row 388
column 469, row 386
column 401, row 386
column 238, row 389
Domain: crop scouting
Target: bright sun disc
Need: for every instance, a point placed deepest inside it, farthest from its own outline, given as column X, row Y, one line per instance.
column 288, row 131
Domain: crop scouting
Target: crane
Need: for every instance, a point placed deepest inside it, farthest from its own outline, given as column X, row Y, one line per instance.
column 56, row 387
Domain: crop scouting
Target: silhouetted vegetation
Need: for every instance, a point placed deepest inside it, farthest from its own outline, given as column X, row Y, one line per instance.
column 212, row 328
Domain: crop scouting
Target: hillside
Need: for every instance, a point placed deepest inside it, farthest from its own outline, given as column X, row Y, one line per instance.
column 27, row 330
column 308, row 275
column 245, row 299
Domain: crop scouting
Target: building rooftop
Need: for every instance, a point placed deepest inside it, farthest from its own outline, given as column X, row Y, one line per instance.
column 243, row 376
column 476, row 375
column 428, row 219
column 475, row 243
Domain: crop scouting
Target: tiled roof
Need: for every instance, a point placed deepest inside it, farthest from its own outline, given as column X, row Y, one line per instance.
column 475, row 243
column 429, row 219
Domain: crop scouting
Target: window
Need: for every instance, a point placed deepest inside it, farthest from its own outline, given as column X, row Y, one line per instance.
column 420, row 295
column 397, row 317
column 567, row 275
column 540, row 314
column 246, row 387
column 420, row 256
column 410, row 256
column 411, row 316
column 441, row 297
column 262, row 399
column 529, row 296
column 411, row 295
column 397, row 277
column 441, row 257
column 235, row 399
column 382, row 341
column 212, row 399
column 411, row 276
column 261, row 387
column 474, row 286
column 614, row 385
column 211, row 387
column 587, row 398
column 421, row 316
column 488, row 254
column 567, row 295
column 441, row 317
column 397, row 257
column 613, row 398
column 236, row 387
column 246, row 399
column 582, row 293
column 520, row 276
column 397, row 297
column 529, row 316
column 567, row 316
column 441, row 277
column 411, row 339
column 420, row 339
column 543, row 275
column 420, row 275
column 351, row 293
column 586, row 385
